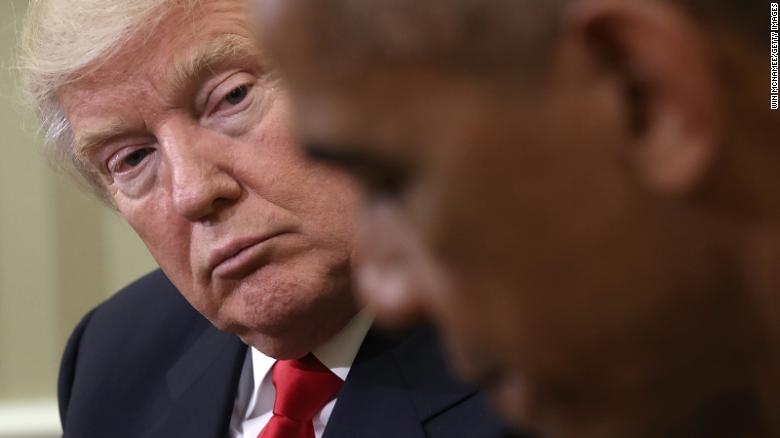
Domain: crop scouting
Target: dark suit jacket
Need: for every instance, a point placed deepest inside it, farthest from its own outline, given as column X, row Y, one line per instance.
column 146, row 364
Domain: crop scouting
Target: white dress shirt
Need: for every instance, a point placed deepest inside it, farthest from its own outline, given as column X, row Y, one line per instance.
column 254, row 403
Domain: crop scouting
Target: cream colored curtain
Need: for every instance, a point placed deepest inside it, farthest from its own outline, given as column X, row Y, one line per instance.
column 61, row 252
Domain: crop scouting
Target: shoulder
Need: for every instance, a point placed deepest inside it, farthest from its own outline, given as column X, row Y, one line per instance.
column 448, row 407
column 400, row 384
column 150, row 308
column 118, row 354
column 149, row 297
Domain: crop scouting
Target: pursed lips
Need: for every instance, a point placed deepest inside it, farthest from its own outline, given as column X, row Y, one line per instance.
column 231, row 259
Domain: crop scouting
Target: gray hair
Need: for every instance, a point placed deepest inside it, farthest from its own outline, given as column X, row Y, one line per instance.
column 64, row 40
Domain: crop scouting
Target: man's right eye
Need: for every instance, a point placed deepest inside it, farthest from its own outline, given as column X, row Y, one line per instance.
column 380, row 177
column 382, row 183
column 127, row 159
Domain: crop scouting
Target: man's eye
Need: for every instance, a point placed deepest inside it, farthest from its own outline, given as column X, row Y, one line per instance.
column 129, row 161
column 382, row 183
column 381, row 177
column 237, row 95
column 136, row 157
column 234, row 102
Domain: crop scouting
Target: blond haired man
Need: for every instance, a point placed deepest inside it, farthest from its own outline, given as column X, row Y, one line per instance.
column 166, row 109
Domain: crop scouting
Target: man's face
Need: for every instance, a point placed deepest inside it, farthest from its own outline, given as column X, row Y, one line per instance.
column 506, row 210
column 191, row 137
column 485, row 217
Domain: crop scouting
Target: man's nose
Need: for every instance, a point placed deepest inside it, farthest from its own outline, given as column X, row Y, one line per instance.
column 201, row 179
column 395, row 278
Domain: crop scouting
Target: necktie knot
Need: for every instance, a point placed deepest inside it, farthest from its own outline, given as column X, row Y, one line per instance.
column 303, row 387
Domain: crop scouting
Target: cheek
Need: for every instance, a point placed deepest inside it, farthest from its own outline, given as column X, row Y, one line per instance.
column 474, row 228
column 325, row 200
column 165, row 235
column 274, row 167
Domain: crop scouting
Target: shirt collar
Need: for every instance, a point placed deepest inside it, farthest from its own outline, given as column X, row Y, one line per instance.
column 337, row 353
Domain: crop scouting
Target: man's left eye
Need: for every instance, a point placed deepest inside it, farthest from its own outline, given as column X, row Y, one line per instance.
column 237, row 95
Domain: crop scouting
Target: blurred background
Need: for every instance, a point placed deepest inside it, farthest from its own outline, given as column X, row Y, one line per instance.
column 61, row 253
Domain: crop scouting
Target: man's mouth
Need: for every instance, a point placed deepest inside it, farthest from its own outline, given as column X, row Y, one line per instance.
column 241, row 256
column 499, row 382
column 489, row 379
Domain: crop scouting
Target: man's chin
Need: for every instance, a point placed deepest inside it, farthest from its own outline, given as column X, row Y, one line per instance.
column 547, row 412
column 275, row 347
column 281, row 325
column 285, row 340
column 511, row 399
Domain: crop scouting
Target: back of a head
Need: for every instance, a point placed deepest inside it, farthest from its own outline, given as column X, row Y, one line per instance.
column 472, row 34
column 663, row 101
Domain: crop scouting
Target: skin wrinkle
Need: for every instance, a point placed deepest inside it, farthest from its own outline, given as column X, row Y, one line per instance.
column 188, row 69
column 222, row 51
column 63, row 42
column 87, row 141
column 222, row 175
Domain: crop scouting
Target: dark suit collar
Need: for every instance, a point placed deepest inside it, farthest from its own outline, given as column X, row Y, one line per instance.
column 432, row 388
column 201, row 360
column 202, row 386
column 394, row 385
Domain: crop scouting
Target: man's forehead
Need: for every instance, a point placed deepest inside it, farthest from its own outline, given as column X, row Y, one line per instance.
column 171, row 49
column 182, row 71
column 95, row 133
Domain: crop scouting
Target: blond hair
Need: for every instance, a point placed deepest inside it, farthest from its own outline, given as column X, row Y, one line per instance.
column 63, row 40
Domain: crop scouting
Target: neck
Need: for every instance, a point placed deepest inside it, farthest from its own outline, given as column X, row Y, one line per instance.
column 762, row 273
column 723, row 373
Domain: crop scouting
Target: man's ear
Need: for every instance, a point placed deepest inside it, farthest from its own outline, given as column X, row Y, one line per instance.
column 666, row 78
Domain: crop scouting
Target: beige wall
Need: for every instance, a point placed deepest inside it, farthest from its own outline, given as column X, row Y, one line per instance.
column 60, row 251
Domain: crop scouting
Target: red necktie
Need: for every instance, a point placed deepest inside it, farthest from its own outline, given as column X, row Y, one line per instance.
column 303, row 387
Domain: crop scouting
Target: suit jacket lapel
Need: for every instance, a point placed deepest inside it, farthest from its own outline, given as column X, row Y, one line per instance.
column 202, row 387
column 393, row 388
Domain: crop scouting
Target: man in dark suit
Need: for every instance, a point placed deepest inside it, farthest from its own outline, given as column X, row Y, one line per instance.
column 582, row 193
column 146, row 364
column 168, row 110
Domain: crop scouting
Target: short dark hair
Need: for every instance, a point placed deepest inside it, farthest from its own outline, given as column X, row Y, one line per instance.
column 470, row 34
column 473, row 35
column 749, row 17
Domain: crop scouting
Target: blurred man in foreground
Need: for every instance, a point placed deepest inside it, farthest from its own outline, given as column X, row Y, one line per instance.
column 583, row 194
column 166, row 108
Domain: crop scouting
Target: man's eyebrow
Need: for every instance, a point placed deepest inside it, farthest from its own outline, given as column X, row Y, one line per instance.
column 226, row 49
column 348, row 156
column 93, row 138
column 186, row 69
